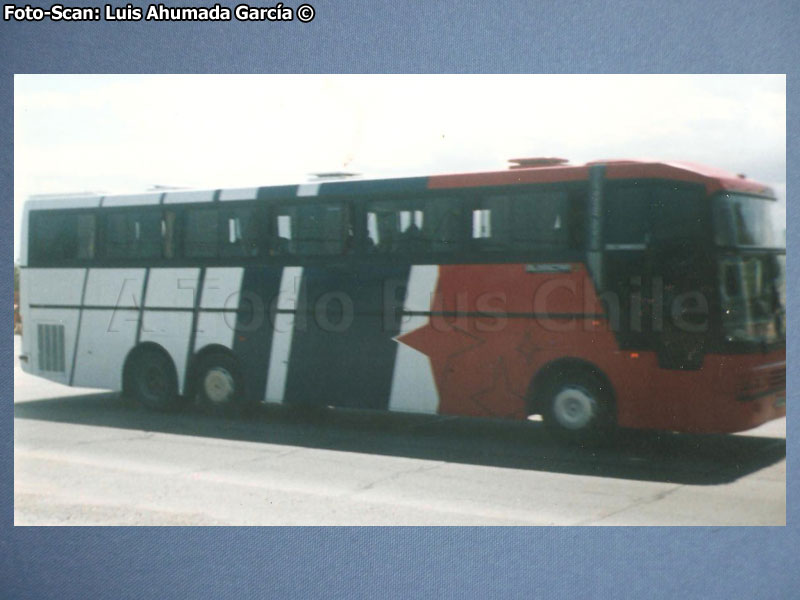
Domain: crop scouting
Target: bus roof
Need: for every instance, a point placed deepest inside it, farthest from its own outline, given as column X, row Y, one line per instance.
column 714, row 179
column 522, row 171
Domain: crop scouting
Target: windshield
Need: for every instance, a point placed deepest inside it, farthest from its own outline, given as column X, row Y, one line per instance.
column 748, row 221
column 753, row 292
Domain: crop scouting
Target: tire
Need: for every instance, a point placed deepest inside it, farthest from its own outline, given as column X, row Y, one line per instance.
column 153, row 382
column 577, row 406
column 220, row 386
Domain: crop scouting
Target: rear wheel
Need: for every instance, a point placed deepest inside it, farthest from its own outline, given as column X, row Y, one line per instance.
column 219, row 384
column 153, row 382
column 578, row 406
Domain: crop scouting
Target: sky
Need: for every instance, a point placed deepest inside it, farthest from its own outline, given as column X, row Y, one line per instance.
column 127, row 133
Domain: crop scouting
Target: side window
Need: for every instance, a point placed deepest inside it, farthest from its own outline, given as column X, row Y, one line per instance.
column 626, row 211
column 139, row 234
column 678, row 212
column 87, row 228
column 120, row 233
column 134, row 234
column 635, row 213
column 243, row 231
column 415, row 225
column 58, row 236
column 396, row 227
column 312, row 230
column 444, row 224
column 525, row 221
column 201, row 233
column 282, row 242
column 168, row 230
column 150, row 234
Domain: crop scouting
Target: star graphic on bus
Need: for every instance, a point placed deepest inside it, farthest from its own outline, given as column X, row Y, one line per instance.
column 475, row 360
column 440, row 341
column 463, row 362
column 497, row 392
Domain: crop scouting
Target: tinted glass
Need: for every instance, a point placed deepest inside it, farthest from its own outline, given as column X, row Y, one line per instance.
column 748, row 221
column 134, row 235
column 201, row 233
column 678, row 212
column 312, row 229
column 526, row 221
column 137, row 234
column 752, row 289
column 444, row 224
column 169, row 231
column 396, row 227
column 243, row 232
column 86, row 226
column 637, row 213
column 626, row 214
column 60, row 236
column 416, row 225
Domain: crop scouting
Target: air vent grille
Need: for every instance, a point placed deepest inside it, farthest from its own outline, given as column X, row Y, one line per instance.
column 51, row 347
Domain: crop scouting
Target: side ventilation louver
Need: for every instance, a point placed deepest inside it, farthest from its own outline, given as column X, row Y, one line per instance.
column 51, row 348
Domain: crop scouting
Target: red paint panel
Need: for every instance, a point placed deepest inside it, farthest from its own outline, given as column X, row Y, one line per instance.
column 714, row 180
column 653, row 171
column 704, row 401
column 512, row 288
column 510, row 177
column 483, row 365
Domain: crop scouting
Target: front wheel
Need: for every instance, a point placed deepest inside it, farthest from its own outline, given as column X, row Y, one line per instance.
column 578, row 406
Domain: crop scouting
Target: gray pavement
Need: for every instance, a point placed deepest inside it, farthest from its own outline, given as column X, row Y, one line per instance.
column 84, row 457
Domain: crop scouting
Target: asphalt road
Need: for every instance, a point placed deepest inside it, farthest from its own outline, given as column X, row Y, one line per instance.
column 83, row 457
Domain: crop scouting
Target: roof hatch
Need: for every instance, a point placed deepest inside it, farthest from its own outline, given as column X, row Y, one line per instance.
column 539, row 161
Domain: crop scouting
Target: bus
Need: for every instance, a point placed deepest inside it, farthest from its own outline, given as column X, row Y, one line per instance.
column 617, row 293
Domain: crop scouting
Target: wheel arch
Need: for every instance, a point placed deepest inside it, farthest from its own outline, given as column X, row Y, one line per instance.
column 559, row 368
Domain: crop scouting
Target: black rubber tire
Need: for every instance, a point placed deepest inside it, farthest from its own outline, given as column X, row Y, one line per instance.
column 226, row 367
column 578, row 387
column 153, row 382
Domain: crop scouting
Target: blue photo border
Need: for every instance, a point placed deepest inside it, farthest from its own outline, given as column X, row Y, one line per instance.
column 711, row 36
